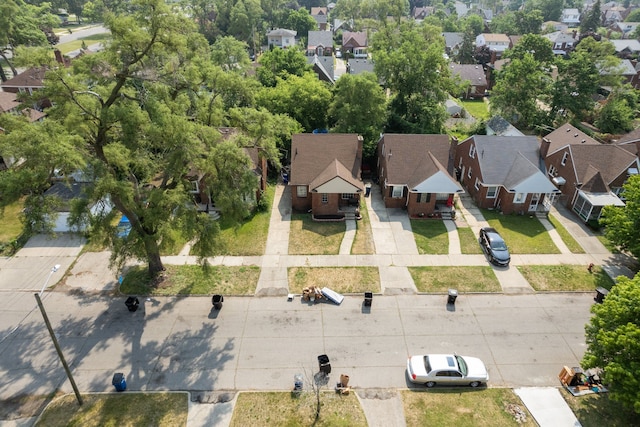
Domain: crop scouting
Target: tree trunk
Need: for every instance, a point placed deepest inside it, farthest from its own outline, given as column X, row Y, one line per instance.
column 153, row 256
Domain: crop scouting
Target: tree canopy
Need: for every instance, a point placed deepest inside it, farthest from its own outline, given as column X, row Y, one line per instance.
column 622, row 224
column 613, row 341
column 128, row 119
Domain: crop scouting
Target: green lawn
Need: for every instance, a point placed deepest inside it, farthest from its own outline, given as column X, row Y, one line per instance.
column 596, row 410
column 249, row 237
column 363, row 242
column 490, row 407
column 77, row 44
column 309, row 237
column 565, row 277
column 567, row 238
column 126, row 409
column 468, row 241
column 477, row 108
column 522, row 233
column 344, row 280
column 431, row 236
column 266, row 409
column 464, row 279
column 193, row 280
column 11, row 229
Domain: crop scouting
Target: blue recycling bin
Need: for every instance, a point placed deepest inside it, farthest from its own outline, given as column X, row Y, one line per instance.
column 119, row 381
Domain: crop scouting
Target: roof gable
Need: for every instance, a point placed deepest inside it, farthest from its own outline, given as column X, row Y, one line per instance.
column 608, row 160
column 318, row 158
column 33, row 77
column 496, row 152
column 594, row 182
column 320, row 38
column 567, row 135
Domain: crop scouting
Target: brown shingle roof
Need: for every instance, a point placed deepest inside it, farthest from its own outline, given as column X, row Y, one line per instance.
column 594, row 183
column 8, row 102
column 609, row 160
column 411, row 159
column 33, row 77
column 354, row 39
column 318, row 158
column 469, row 72
column 631, row 137
column 567, row 135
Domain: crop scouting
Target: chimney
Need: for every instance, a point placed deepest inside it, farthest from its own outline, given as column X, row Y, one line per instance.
column 544, row 148
column 58, row 55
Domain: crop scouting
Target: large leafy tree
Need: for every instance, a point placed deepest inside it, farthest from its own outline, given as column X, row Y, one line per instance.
column 359, row 106
column 505, row 23
column 521, row 90
column 578, row 79
column 535, row 45
column 592, row 20
column 302, row 22
column 127, row 117
column 22, row 24
column 230, row 53
column 409, row 60
column 281, row 63
column 305, row 99
column 528, row 22
column 613, row 341
column 622, row 224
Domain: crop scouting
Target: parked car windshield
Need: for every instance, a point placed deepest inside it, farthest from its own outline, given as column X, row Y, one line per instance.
column 462, row 365
column 498, row 245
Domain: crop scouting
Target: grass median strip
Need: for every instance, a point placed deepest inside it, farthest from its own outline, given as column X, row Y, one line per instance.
column 493, row 407
column 193, row 280
column 363, row 242
column 464, row 279
column 565, row 277
column 293, row 410
column 468, row 241
column 567, row 238
column 344, row 280
column 126, row 410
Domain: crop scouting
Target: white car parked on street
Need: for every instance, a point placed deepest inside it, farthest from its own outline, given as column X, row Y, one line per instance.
column 446, row 369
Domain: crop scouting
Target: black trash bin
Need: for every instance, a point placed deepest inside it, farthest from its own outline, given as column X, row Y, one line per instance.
column 324, row 365
column 452, row 295
column 601, row 293
column 217, row 301
column 119, row 381
column 368, row 299
column 132, row 303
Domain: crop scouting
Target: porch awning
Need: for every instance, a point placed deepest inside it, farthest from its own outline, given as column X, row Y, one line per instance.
column 602, row 199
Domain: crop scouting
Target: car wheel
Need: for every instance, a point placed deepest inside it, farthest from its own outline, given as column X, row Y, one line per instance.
column 430, row 384
column 474, row 384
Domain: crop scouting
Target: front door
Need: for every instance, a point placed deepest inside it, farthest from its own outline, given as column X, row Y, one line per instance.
column 535, row 200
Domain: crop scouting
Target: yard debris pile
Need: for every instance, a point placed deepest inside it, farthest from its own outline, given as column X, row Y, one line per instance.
column 517, row 412
column 312, row 293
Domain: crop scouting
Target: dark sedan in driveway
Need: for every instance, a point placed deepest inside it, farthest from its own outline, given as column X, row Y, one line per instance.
column 494, row 246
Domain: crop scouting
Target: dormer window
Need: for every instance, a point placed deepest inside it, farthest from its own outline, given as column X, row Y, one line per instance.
column 564, row 159
column 472, row 151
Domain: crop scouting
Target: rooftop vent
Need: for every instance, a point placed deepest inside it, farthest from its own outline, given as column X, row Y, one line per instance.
column 575, row 135
column 583, row 141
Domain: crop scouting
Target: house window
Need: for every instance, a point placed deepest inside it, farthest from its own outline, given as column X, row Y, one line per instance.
column 301, row 191
column 472, row 151
column 195, row 187
column 564, row 159
column 477, row 185
column 325, row 198
column 552, row 171
column 492, row 192
column 348, row 196
column 396, row 191
column 469, row 173
column 519, row 198
column 424, row 197
column 383, row 149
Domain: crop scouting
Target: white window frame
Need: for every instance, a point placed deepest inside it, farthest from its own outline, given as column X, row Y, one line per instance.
column 325, row 198
column 552, row 171
column 301, row 191
column 495, row 192
column 348, row 196
column 519, row 198
column 565, row 156
column 396, row 191
column 472, row 151
column 195, row 187
column 469, row 172
column 477, row 184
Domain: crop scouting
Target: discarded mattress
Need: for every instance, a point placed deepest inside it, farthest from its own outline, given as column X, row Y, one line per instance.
column 332, row 296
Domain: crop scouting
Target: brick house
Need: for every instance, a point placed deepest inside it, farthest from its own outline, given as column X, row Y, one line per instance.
column 416, row 173
column 325, row 174
column 589, row 174
column 355, row 43
column 474, row 77
column 504, row 173
column 320, row 43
